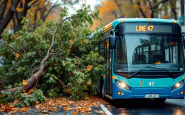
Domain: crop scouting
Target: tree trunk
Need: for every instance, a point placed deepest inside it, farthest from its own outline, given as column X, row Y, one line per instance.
column 9, row 15
column 39, row 74
column 31, row 81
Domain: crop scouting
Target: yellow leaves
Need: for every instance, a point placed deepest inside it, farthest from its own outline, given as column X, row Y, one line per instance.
column 24, row 82
column 42, row 3
column 19, row 9
column 17, row 56
column 135, row 6
column 52, row 50
column 31, row 2
column 87, row 40
column 81, row 42
column 68, row 50
column 6, row 39
column 166, row 17
column 89, row 68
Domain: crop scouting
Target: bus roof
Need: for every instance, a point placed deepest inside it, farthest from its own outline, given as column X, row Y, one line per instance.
column 114, row 23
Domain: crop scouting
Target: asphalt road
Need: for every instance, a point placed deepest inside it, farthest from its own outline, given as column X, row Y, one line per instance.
column 146, row 107
column 128, row 107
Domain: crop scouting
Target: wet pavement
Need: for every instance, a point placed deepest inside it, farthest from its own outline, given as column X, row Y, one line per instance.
column 127, row 107
column 147, row 107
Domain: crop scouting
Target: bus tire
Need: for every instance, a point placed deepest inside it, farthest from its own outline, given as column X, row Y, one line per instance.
column 160, row 100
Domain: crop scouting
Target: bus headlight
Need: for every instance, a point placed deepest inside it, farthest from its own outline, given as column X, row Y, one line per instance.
column 178, row 84
column 122, row 85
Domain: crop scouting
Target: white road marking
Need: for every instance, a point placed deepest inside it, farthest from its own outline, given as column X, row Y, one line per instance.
column 107, row 112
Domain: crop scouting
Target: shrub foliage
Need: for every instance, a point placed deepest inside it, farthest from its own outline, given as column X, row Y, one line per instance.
column 72, row 70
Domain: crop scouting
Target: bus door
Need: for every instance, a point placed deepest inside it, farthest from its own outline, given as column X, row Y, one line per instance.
column 109, row 69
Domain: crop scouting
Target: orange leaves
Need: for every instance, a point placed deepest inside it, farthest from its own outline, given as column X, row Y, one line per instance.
column 67, row 91
column 107, row 6
column 17, row 56
column 30, row 91
column 15, row 36
column 72, row 41
column 25, row 109
column 89, row 83
column 66, row 108
column 7, row 108
column 24, row 91
column 24, row 82
column 74, row 113
column 19, row 9
column 89, row 68
column 53, row 105
column 78, row 61
column 81, row 42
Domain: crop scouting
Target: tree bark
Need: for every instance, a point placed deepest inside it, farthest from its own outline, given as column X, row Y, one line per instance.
column 140, row 9
column 173, row 10
column 20, row 15
column 9, row 15
column 121, row 12
column 152, row 10
column 2, row 10
column 32, row 80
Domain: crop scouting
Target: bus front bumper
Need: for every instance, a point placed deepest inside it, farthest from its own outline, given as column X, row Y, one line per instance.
column 166, row 92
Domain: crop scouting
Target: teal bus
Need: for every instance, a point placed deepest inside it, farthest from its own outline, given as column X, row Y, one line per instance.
column 144, row 59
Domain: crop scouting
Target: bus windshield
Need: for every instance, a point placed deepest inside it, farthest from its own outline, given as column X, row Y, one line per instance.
column 137, row 51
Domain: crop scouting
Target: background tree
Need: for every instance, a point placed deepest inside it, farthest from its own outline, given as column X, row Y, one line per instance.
column 7, row 13
column 113, row 9
column 16, row 10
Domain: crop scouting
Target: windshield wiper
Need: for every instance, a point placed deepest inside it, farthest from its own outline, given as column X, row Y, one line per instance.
column 151, row 67
column 170, row 73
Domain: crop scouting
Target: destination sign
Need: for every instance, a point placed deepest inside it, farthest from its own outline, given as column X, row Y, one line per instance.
column 146, row 28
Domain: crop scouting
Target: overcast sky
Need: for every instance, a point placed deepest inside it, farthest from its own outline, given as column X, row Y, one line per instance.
column 92, row 3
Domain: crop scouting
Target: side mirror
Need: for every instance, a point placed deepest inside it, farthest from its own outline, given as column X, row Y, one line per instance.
column 112, row 42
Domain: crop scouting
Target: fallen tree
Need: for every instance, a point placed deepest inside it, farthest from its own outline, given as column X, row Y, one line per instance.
column 67, row 59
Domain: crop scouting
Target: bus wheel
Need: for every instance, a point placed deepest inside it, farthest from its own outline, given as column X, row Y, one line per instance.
column 160, row 100
column 103, row 92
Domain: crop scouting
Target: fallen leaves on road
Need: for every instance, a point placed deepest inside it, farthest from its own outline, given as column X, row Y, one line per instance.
column 54, row 105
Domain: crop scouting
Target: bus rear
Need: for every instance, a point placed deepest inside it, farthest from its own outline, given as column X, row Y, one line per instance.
column 148, row 60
